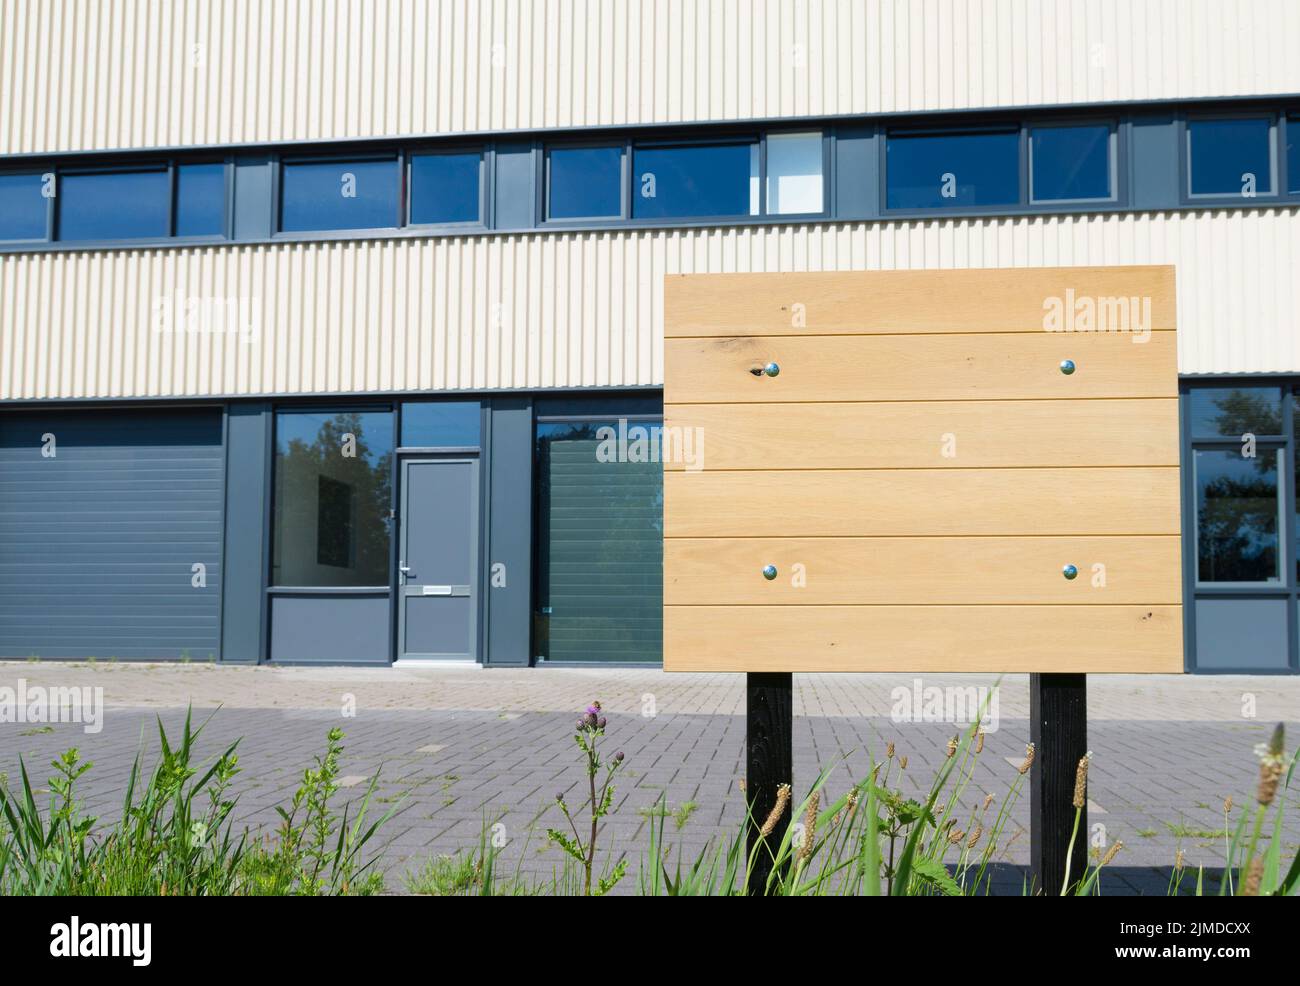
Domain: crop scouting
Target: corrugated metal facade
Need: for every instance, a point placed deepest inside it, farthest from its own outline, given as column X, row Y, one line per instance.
column 577, row 309
column 558, row 310
column 89, row 74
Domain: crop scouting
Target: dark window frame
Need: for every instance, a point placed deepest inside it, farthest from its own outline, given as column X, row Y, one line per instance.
column 1276, row 136
column 486, row 173
column 864, row 184
column 227, row 205
column 883, row 133
column 1284, row 583
column 1114, row 155
column 744, row 138
column 402, row 407
column 1286, row 119
column 396, row 155
column 143, row 164
column 42, row 174
column 1287, row 588
column 163, row 166
column 542, row 213
column 828, row 157
column 628, row 185
column 1283, row 388
column 169, row 164
column 314, row 406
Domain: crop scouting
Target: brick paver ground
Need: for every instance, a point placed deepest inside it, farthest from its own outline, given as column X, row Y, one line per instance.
column 461, row 746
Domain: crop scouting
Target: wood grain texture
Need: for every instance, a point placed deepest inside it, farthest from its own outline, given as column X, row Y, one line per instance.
column 919, row 368
column 920, row 471
column 906, row 434
column 924, row 639
column 911, row 302
column 899, row 571
column 921, row 502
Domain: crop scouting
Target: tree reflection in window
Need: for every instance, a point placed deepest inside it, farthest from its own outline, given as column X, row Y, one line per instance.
column 334, row 522
column 1236, row 412
column 333, row 494
column 1237, row 515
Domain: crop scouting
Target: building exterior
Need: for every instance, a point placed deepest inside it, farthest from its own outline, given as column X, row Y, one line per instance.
column 333, row 331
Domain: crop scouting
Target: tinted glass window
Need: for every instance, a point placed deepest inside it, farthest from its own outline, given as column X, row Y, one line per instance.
column 1296, row 546
column 585, row 182
column 22, row 207
column 113, row 205
column 1070, row 163
column 579, row 405
column 1237, row 515
column 333, row 492
column 1229, row 157
column 1295, row 424
column 338, row 195
column 1293, row 153
column 927, row 171
column 1235, row 411
column 794, row 173
column 430, row 424
column 695, row 181
column 600, row 542
column 445, row 188
column 200, row 199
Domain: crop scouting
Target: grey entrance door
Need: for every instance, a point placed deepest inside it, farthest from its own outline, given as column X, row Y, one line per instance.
column 437, row 574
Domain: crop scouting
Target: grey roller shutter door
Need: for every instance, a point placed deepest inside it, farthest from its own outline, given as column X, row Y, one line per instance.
column 98, row 542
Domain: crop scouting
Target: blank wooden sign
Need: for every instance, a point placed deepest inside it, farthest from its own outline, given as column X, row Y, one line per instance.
column 897, row 471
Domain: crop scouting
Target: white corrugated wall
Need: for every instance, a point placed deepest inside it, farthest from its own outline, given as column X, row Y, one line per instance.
column 556, row 309
column 559, row 310
column 91, row 74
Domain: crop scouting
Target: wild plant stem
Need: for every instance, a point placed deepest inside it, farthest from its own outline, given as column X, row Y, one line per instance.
column 889, row 883
column 591, row 845
column 1260, row 812
column 1069, row 852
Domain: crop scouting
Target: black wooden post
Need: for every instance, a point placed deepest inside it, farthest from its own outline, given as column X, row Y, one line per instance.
column 1058, row 728
column 769, row 761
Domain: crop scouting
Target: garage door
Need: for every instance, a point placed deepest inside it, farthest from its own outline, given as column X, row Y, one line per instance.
column 110, row 534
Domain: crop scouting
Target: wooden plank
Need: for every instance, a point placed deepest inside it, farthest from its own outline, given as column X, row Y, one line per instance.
column 913, row 301
column 921, row 502
column 924, row 639
column 920, row 470
column 898, row 571
column 952, row 435
column 919, row 368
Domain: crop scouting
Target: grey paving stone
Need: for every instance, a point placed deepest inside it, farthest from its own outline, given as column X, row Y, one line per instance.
column 1162, row 779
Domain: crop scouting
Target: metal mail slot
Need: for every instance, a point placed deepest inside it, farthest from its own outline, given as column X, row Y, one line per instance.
column 437, row 590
